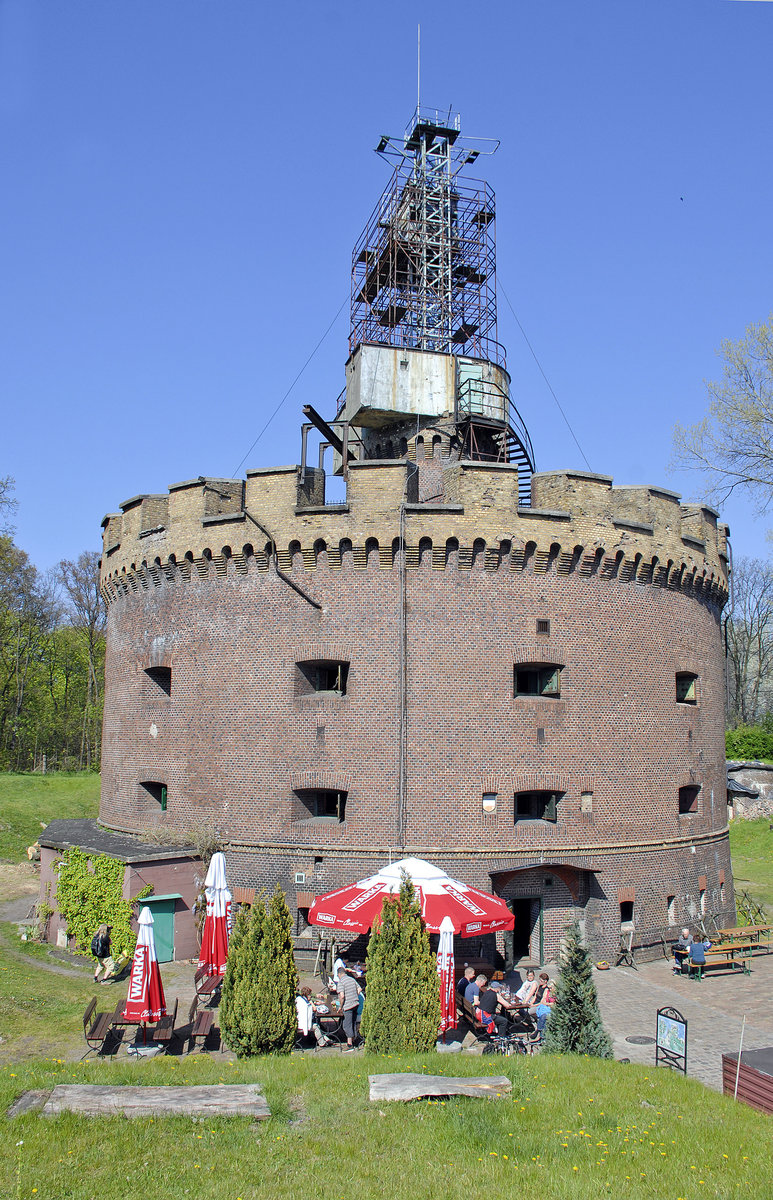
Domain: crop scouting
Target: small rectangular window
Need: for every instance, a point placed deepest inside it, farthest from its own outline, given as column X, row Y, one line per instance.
column 537, row 806
column 626, row 912
column 686, row 688
column 671, row 909
column 321, row 805
column 161, row 677
column 688, row 799
column 543, row 625
column 489, row 802
column 702, row 900
column 586, row 802
column 323, row 676
column 157, row 792
column 537, row 679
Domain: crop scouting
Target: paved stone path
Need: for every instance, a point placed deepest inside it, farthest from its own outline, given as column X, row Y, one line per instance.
column 714, row 1009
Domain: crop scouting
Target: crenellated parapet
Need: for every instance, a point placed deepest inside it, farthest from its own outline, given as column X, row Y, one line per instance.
column 577, row 522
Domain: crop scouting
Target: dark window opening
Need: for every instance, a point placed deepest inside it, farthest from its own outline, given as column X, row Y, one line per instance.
column 157, row 792
column 538, row 679
column 324, row 676
column 686, row 688
column 543, row 625
column 321, row 805
column 688, row 799
column 537, row 806
column 161, row 677
column 626, row 911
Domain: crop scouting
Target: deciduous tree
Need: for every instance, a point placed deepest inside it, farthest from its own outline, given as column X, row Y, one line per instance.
column 749, row 638
column 732, row 447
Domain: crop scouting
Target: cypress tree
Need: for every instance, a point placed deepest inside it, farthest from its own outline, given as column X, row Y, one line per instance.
column 277, row 1017
column 402, row 1008
column 257, row 1006
column 575, row 1025
column 242, row 984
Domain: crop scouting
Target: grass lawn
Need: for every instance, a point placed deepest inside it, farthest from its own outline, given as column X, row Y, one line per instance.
column 571, row 1128
column 28, row 800
column 751, row 846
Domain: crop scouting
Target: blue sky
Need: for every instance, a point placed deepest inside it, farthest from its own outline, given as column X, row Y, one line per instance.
column 183, row 182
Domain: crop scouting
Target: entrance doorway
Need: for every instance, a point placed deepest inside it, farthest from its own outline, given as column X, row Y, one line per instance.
column 162, row 909
column 528, row 919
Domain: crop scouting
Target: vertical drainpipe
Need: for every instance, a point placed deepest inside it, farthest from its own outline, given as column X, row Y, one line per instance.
column 402, row 702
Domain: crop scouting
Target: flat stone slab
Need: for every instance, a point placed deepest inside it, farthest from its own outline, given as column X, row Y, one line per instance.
column 408, row 1086
column 97, row 1100
column 29, row 1102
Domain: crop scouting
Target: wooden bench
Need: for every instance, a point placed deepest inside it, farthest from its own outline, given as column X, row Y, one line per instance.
column 199, row 1023
column 97, row 1027
column 477, row 1026
column 723, row 958
column 164, row 1029
column 205, row 983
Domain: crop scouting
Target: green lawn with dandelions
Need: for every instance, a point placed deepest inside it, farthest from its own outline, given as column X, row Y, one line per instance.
column 570, row 1128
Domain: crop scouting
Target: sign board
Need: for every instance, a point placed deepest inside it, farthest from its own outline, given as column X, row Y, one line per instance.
column 671, row 1039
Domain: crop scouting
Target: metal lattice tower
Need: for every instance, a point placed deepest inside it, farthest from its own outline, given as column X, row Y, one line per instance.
column 424, row 268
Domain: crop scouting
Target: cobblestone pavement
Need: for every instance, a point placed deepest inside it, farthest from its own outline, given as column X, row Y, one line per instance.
column 714, row 1009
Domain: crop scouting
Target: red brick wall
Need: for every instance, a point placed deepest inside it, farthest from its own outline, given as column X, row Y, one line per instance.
column 235, row 737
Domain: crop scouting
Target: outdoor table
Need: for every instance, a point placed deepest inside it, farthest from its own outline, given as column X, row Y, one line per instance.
column 753, row 932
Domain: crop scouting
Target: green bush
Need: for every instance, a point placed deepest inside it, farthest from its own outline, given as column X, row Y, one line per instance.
column 402, row 1006
column 257, row 1006
column 750, row 742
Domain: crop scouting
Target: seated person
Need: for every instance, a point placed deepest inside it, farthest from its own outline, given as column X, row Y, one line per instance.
column 465, row 980
column 486, row 1010
column 697, row 954
column 527, row 991
column 545, row 1006
column 543, row 985
column 472, row 990
column 308, row 1019
column 681, row 949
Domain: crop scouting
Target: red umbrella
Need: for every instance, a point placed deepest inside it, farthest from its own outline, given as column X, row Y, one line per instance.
column 145, row 1001
column 445, row 969
column 356, row 907
column 217, row 922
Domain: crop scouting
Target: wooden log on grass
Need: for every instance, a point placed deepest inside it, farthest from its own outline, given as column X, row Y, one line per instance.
column 408, row 1086
column 102, row 1100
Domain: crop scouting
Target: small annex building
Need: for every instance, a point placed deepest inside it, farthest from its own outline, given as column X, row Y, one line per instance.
column 170, row 870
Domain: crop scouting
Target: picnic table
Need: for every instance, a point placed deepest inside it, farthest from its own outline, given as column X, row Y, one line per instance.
column 752, row 933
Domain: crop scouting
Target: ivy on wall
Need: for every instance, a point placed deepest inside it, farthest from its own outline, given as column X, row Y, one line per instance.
column 89, row 894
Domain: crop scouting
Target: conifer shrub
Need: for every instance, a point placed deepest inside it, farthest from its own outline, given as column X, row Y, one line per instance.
column 575, row 1025
column 402, row 1005
column 257, row 1006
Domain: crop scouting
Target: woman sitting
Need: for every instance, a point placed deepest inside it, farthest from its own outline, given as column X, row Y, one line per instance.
column 308, row 1017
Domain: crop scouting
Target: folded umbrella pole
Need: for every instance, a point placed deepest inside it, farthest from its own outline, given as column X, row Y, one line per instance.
column 217, row 922
column 145, row 1001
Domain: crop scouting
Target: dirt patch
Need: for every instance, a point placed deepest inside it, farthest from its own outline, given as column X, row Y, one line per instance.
column 18, row 879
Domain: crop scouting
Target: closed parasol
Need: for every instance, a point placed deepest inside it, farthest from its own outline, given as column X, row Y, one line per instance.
column 217, row 922
column 145, row 1001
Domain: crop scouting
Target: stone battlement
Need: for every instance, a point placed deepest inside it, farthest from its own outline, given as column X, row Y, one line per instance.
column 577, row 521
